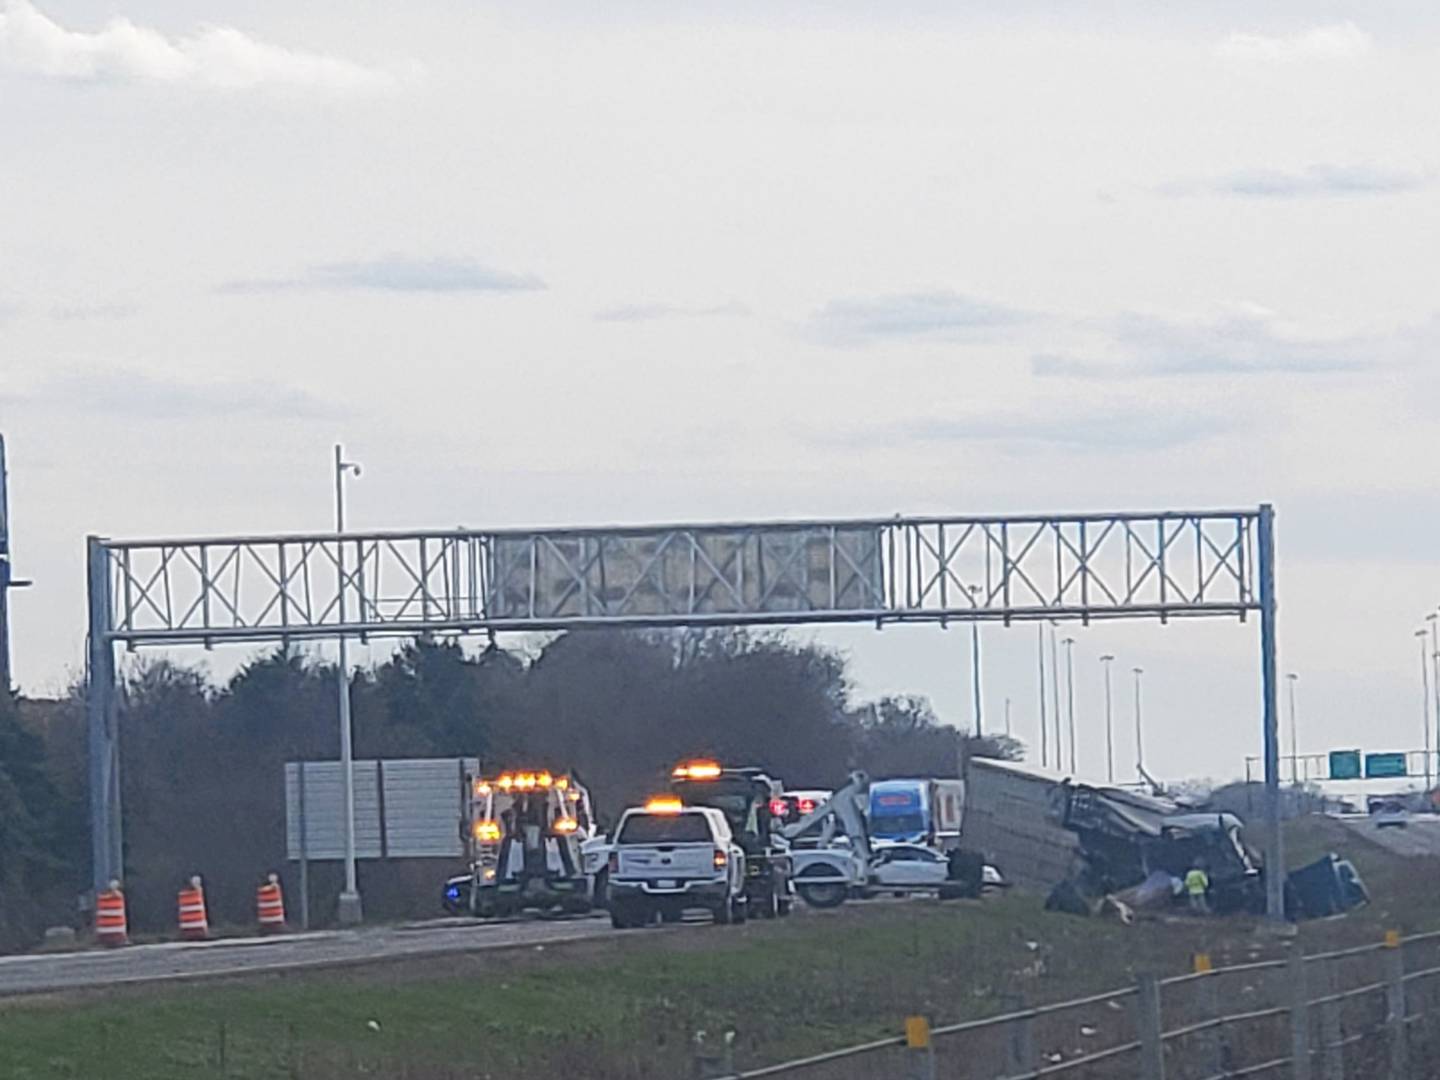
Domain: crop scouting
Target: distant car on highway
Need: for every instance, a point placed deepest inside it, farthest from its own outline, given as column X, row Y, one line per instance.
column 1389, row 813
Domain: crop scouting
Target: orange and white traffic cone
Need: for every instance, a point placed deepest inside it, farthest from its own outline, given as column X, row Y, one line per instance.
column 194, row 926
column 270, row 906
column 111, row 929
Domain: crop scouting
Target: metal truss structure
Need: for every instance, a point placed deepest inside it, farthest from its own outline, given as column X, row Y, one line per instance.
column 211, row 591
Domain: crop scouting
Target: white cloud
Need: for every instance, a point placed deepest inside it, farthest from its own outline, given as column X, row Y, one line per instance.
column 1336, row 41
column 1314, row 181
column 220, row 57
column 934, row 316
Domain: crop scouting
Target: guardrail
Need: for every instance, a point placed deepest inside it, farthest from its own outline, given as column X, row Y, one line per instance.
column 1353, row 1012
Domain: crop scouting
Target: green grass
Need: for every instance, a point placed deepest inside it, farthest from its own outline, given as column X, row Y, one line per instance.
column 628, row 1006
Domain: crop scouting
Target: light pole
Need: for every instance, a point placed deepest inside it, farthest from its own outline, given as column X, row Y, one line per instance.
column 1292, row 679
column 1106, row 661
column 1007, row 718
column 1139, row 738
column 1044, row 738
column 1422, row 634
column 974, row 591
column 1070, row 696
column 350, row 911
column 1434, row 686
column 1055, row 681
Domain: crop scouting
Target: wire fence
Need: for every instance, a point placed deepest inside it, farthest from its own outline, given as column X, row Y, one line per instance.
column 1364, row 1012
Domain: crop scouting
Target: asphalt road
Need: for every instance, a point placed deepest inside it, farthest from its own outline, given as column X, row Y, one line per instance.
column 190, row 960
column 1420, row 836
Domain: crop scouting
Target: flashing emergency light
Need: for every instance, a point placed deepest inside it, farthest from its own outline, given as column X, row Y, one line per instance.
column 486, row 831
column 562, row 783
column 566, row 825
column 664, row 804
column 696, row 770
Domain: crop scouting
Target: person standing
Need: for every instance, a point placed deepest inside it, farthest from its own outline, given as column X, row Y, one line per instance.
column 1197, row 885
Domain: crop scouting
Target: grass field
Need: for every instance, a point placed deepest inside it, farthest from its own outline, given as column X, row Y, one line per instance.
column 628, row 1007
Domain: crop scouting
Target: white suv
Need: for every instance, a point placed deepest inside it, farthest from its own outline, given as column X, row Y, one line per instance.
column 667, row 858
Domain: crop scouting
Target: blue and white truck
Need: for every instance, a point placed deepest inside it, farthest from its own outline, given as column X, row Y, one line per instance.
column 928, row 812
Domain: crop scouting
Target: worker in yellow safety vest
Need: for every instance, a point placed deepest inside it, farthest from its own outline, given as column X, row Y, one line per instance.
column 1197, row 884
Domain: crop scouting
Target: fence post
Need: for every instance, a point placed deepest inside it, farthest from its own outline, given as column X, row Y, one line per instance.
column 1332, row 1054
column 1299, row 1014
column 1394, row 958
column 714, row 1062
column 919, row 1051
column 1201, row 964
column 1020, row 1039
column 1150, row 1026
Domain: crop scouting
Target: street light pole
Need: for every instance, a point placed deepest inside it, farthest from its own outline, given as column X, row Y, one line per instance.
column 975, row 662
column 1139, row 738
column 1422, row 634
column 1070, row 695
column 1435, row 687
column 1292, row 678
column 1044, row 738
column 350, row 911
column 1106, row 661
column 1055, row 681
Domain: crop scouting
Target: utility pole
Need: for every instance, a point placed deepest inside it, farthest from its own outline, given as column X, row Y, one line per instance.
column 1435, row 687
column 1070, row 693
column 1040, row 652
column 974, row 591
column 1139, row 737
column 1422, row 634
column 1055, row 680
column 7, row 580
column 1292, row 679
column 350, row 910
column 1106, row 661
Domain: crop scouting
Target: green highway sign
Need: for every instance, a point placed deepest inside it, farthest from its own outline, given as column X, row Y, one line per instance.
column 1344, row 764
column 1378, row 766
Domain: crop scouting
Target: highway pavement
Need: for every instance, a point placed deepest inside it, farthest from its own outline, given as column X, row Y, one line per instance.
column 1419, row 836
column 237, row 956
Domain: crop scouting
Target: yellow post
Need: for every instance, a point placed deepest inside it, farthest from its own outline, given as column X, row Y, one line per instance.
column 1392, row 939
column 1200, row 963
column 920, row 1054
column 917, row 1032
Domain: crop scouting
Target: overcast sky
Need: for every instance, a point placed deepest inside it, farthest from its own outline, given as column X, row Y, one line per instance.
column 578, row 263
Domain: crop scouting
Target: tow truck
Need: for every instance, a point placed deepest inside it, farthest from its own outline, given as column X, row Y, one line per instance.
column 839, row 860
column 524, row 830
column 744, row 796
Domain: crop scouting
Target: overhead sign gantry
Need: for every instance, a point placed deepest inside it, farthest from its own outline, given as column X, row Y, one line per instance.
column 251, row 589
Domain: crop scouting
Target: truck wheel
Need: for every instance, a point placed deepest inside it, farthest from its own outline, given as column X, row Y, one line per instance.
column 626, row 916
column 740, row 910
column 766, row 906
column 822, row 895
column 784, row 907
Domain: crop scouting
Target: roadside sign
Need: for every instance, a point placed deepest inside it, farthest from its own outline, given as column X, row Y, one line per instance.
column 1379, row 766
column 1345, row 764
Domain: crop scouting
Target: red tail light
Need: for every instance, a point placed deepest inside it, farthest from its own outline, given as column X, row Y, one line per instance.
column 807, row 806
column 721, row 859
column 777, row 808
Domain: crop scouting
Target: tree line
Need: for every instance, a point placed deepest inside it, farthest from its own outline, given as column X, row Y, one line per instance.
column 202, row 782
